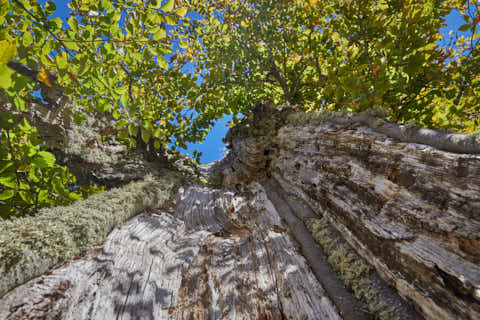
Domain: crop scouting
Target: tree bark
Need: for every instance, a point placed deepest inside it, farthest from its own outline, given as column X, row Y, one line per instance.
column 310, row 216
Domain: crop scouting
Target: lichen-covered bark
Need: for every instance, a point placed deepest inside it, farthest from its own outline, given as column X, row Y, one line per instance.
column 409, row 209
column 82, row 149
column 31, row 246
column 212, row 255
column 314, row 216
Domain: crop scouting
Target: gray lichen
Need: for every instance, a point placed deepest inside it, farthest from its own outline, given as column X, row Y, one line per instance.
column 313, row 117
column 30, row 246
column 352, row 270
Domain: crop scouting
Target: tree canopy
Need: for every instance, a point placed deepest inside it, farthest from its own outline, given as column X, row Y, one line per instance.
column 164, row 71
column 341, row 54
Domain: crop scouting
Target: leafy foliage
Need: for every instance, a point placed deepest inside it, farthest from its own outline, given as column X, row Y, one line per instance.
column 336, row 54
column 29, row 177
column 163, row 77
column 114, row 57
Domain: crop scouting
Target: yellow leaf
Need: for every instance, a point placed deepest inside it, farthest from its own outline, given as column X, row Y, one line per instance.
column 156, row 4
column 44, row 76
column 170, row 20
column 8, row 52
column 313, row 2
column 182, row 11
column 168, row 6
column 469, row 129
column 5, row 76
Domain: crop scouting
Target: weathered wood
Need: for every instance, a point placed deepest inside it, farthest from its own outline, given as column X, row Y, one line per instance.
column 31, row 246
column 215, row 255
column 371, row 298
column 377, row 208
column 82, row 149
column 411, row 210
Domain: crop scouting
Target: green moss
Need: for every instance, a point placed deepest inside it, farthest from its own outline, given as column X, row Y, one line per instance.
column 30, row 246
column 352, row 270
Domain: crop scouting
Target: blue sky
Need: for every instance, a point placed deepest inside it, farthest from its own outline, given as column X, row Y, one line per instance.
column 212, row 147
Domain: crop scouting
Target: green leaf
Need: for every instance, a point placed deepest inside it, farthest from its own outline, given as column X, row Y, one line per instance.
column 162, row 63
column 124, row 99
column 71, row 45
column 50, row 7
column 145, row 135
column 158, row 133
column 25, row 126
column 7, row 194
column 27, row 39
column 75, row 196
column 132, row 130
column 79, row 117
column 158, row 33
column 121, row 124
column 44, row 159
column 43, row 195
column 32, row 175
column 26, row 196
column 61, row 60
column 155, row 4
column 8, row 52
column 102, row 108
column 5, row 76
column 182, row 11
column 183, row 44
column 73, row 23
column 171, row 20
column 8, row 181
column 57, row 22
column 168, row 6
column 4, row 165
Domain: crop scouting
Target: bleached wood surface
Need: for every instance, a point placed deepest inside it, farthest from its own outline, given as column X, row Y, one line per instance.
column 411, row 210
column 408, row 209
column 211, row 256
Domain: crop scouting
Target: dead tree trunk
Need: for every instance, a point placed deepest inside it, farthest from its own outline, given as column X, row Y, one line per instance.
column 309, row 217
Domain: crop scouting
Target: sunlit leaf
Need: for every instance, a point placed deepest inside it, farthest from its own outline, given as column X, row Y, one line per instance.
column 8, row 181
column 182, row 11
column 44, row 159
column 5, row 76
column 8, row 51
column 61, row 61
column 168, row 6
column 145, row 135
column 159, row 33
column 171, row 20
column 7, row 194
column 44, row 76
column 162, row 63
